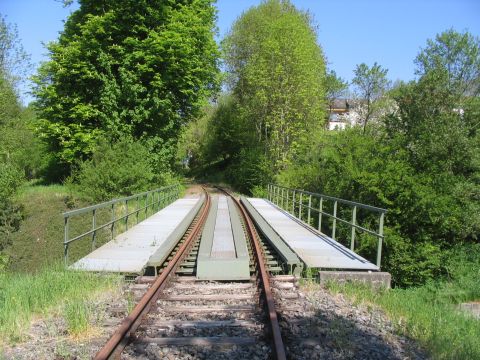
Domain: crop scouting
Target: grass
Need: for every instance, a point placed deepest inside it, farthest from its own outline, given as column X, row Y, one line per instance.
column 77, row 314
column 429, row 314
column 25, row 296
column 38, row 242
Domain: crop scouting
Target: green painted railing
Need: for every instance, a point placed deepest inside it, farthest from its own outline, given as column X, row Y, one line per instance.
column 297, row 201
column 152, row 201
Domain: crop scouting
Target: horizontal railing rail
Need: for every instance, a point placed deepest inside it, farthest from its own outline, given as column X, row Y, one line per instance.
column 293, row 201
column 153, row 199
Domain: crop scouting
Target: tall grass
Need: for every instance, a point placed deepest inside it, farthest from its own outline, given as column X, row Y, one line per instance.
column 23, row 295
column 430, row 314
column 77, row 314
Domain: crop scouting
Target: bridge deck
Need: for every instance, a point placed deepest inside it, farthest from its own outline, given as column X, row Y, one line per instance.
column 315, row 249
column 131, row 251
column 223, row 253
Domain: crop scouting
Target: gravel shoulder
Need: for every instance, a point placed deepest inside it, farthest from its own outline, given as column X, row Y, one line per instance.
column 329, row 326
column 316, row 324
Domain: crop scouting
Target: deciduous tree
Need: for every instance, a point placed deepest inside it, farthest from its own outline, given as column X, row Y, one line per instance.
column 371, row 84
column 453, row 58
column 127, row 68
column 277, row 73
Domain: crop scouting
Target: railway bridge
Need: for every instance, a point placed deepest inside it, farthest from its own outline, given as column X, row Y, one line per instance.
column 212, row 240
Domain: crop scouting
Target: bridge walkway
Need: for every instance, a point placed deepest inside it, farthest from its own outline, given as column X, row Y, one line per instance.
column 315, row 249
column 150, row 241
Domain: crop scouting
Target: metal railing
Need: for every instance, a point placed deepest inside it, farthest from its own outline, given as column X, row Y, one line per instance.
column 296, row 201
column 150, row 200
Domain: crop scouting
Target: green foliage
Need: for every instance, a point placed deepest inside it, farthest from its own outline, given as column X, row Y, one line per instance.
column 250, row 168
column 114, row 170
column 428, row 211
column 335, row 87
column 10, row 180
column 455, row 57
column 14, row 61
column 462, row 263
column 219, row 134
column 36, row 242
column 420, row 162
column 10, row 214
column 126, row 68
column 17, row 142
column 77, row 314
column 371, row 84
column 276, row 72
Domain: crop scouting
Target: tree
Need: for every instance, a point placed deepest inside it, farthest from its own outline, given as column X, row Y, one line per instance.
column 455, row 58
column 14, row 61
column 335, row 86
column 127, row 68
column 277, row 73
column 371, row 84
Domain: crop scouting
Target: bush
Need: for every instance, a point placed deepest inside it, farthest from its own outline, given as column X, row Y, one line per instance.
column 10, row 214
column 251, row 168
column 427, row 212
column 10, row 180
column 120, row 169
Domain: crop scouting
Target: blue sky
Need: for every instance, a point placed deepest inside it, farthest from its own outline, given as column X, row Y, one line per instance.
column 390, row 32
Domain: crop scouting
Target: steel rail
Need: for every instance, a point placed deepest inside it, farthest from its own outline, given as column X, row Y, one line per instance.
column 119, row 339
column 118, row 200
column 279, row 347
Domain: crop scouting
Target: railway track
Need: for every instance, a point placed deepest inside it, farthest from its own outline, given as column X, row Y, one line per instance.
column 181, row 317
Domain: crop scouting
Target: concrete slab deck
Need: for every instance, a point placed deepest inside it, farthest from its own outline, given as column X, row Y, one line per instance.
column 130, row 251
column 315, row 249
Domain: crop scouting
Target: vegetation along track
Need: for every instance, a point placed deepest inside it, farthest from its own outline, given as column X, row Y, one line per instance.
column 181, row 317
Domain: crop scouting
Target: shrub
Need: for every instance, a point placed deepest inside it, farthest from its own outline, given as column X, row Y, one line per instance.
column 10, row 180
column 116, row 170
column 427, row 212
column 251, row 168
column 10, row 215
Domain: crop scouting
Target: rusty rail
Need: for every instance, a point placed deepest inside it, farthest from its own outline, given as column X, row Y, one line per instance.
column 279, row 347
column 119, row 339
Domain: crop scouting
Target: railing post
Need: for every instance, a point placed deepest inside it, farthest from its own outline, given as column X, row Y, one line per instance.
column 146, row 205
column 112, row 227
column 309, row 208
column 286, row 205
column 300, row 206
column 278, row 196
column 138, row 209
column 94, row 225
column 282, row 196
column 320, row 214
column 354, row 222
column 334, row 227
column 293, row 203
column 380, row 240
column 65, row 240
column 126, row 215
